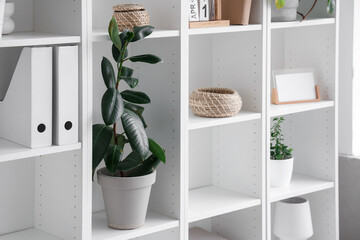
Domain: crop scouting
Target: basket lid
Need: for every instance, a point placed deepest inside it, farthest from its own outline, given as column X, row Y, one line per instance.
column 128, row 7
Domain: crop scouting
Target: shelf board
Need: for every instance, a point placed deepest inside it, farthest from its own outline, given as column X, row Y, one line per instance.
column 300, row 185
column 23, row 39
column 101, row 34
column 196, row 122
column 305, row 23
column 154, row 223
column 278, row 110
column 229, row 29
column 207, row 202
column 28, row 234
column 11, row 151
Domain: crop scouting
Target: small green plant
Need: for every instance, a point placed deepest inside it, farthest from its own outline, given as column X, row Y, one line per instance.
column 329, row 7
column 125, row 105
column 278, row 150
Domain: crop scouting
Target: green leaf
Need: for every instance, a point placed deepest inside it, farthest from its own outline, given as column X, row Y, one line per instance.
column 114, row 33
column 126, row 75
column 135, row 97
column 142, row 32
column 146, row 58
column 135, row 132
column 136, row 109
column 108, row 73
column 131, row 161
column 132, row 82
column 102, row 135
column 112, row 157
column 330, row 6
column 129, row 36
column 112, row 106
column 124, row 36
column 157, row 150
column 126, row 72
column 147, row 167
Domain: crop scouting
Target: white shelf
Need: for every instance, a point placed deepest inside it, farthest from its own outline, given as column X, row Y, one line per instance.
column 229, row 29
column 154, row 223
column 11, row 151
column 196, row 122
column 278, row 110
column 22, row 39
column 300, row 185
column 101, row 35
column 29, row 234
column 305, row 23
column 212, row 201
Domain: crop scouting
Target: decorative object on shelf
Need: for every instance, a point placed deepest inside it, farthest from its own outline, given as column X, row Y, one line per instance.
column 237, row 11
column 126, row 182
column 200, row 234
column 286, row 10
column 294, row 86
column 129, row 16
column 292, row 219
column 9, row 24
column 282, row 161
column 213, row 11
column 2, row 10
column 215, row 102
column 193, row 10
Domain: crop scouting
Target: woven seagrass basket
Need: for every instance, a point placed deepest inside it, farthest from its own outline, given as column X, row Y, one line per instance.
column 130, row 15
column 215, row 102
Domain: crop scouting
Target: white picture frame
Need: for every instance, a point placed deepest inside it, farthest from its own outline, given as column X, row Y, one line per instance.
column 294, row 86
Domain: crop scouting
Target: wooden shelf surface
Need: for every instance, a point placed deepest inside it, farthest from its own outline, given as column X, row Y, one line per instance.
column 154, row 223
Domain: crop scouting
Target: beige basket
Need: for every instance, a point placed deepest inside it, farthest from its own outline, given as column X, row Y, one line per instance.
column 130, row 15
column 215, row 102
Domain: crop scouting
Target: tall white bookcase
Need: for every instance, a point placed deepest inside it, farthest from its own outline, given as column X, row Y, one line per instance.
column 217, row 174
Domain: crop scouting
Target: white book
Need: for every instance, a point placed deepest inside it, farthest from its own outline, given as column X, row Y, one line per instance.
column 66, row 82
column 2, row 11
column 204, row 10
column 26, row 111
column 193, row 10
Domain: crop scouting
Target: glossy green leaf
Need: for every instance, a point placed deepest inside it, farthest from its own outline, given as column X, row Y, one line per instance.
column 131, row 161
column 135, row 132
column 136, row 109
column 114, row 33
column 330, row 6
column 135, row 97
column 124, row 36
column 279, row 3
column 102, row 135
column 112, row 157
column 108, row 73
column 126, row 72
column 157, row 150
column 142, row 32
column 112, row 106
column 147, row 167
column 131, row 81
column 146, row 58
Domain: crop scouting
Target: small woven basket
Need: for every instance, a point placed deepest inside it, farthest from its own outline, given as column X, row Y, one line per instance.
column 130, row 15
column 215, row 102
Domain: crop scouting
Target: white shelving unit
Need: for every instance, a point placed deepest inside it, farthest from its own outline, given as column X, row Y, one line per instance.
column 217, row 171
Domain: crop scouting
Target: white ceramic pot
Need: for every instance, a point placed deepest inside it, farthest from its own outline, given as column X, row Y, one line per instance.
column 2, row 10
column 9, row 24
column 126, row 198
column 286, row 13
column 292, row 219
column 281, row 172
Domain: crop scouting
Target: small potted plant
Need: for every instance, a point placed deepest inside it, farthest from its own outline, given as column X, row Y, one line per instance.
column 286, row 10
column 281, row 159
column 126, row 181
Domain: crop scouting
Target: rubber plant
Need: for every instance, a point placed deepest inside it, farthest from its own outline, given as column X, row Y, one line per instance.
column 330, row 7
column 125, row 106
column 278, row 150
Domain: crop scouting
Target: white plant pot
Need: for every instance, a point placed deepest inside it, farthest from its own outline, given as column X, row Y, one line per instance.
column 9, row 24
column 126, row 199
column 2, row 10
column 281, row 172
column 286, row 13
column 292, row 219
